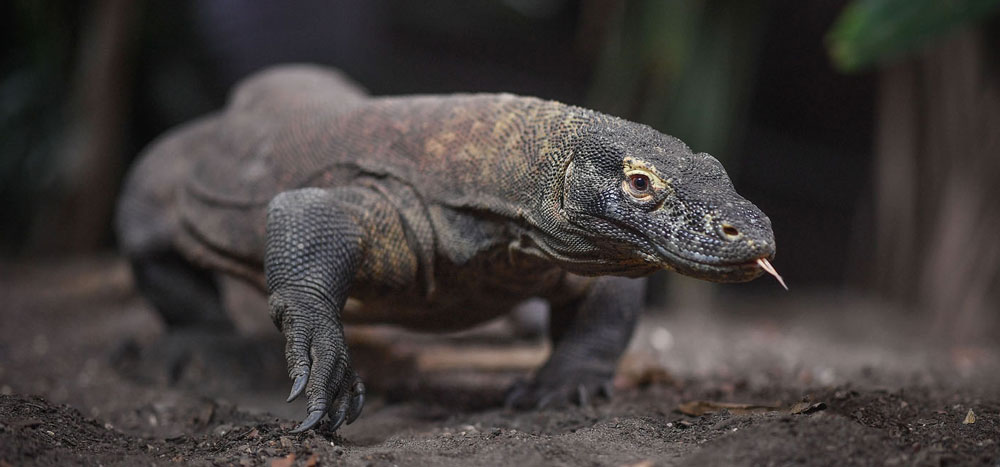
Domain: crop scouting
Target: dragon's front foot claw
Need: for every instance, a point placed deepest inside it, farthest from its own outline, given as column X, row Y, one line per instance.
column 347, row 394
column 319, row 366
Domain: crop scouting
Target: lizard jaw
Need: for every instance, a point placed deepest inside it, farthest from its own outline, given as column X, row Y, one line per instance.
column 741, row 271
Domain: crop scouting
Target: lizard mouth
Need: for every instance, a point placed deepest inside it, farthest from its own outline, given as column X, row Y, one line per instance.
column 700, row 266
column 710, row 270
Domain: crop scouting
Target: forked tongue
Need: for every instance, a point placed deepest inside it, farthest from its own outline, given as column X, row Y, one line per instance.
column 766, row 265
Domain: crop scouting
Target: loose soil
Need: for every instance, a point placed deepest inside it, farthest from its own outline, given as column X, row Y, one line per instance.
column 87, row 376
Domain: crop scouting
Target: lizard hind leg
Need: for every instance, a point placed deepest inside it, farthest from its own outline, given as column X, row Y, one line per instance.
column 201, row 348
column 184, row 295
column 147, row 224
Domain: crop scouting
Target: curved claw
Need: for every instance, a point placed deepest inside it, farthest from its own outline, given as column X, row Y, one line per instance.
column 310, row 421
column 339, row 417
column 540, row 395
column 298, row 386
column 546, row 400
column 357, row 404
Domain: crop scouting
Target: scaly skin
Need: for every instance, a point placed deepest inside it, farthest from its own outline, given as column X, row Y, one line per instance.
column 437, row 213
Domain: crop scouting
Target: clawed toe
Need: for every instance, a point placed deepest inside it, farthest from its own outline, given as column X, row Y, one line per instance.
column 310, row 421
column 348, row 403
column 526, row 395
column 297, row 387
column 357, row 402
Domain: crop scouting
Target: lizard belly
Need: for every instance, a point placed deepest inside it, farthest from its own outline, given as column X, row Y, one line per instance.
column 488, row 286
column 425, row 316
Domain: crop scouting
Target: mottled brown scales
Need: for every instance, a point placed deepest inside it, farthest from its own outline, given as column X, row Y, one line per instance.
column 437, row 212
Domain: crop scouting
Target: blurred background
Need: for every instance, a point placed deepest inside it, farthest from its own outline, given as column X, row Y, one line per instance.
column 868, row 130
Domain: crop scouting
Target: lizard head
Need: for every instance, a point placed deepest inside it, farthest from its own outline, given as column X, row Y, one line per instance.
column 647, row 200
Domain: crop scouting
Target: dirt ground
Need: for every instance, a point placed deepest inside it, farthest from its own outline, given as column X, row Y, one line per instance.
column 87, row 377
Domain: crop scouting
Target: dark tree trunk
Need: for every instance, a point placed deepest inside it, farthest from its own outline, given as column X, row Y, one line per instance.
column 937, row 242
column 78, row 217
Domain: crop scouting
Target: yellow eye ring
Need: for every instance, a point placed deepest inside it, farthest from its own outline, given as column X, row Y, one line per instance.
column 642, row 181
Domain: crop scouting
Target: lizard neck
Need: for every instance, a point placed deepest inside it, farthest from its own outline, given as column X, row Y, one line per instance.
column 554, row 132
column 500, row 156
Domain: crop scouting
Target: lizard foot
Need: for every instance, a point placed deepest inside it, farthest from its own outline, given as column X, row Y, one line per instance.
column 318, row 364
column 580, row 390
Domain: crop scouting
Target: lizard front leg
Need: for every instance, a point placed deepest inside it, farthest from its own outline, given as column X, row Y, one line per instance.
column 589, row 335
column 315, row 251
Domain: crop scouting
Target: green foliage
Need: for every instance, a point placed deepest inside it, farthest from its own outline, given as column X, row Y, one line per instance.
column 684, row 67
column 869, row 32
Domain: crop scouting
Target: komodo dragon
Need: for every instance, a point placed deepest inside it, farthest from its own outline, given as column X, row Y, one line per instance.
column 436, row 213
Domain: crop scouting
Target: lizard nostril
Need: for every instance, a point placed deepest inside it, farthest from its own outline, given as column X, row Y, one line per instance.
column 730, row 232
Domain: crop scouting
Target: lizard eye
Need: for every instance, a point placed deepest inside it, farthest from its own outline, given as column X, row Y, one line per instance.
column 639, row 185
